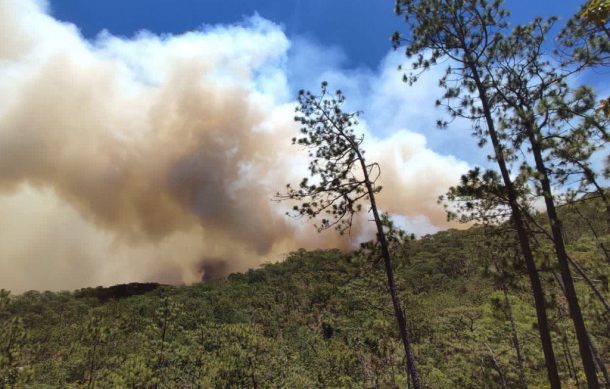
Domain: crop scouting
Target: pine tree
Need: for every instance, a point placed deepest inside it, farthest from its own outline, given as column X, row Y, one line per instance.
column 344, row 178
column 467, row 33
column 531, row 94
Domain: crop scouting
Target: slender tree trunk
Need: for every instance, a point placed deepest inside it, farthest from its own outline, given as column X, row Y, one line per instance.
column 398, row 312
column 543, row 326
column 599, row 363
column 513, row 327
column 562, row 258
column 589, row 282
column 597, row 359
column 92, row 365
column 568, row 357
column 579, row 269
column 496, row 365
column 387, row 261
column 516, row 344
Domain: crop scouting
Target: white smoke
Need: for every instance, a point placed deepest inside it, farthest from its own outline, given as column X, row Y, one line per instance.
column 154, row 158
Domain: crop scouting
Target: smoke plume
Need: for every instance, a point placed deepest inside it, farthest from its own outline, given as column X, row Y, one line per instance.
column 155, row 158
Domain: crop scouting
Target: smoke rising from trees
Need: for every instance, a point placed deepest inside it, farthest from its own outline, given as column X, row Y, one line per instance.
column 140, row 159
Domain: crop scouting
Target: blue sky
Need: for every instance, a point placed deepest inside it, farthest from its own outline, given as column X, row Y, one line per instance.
column 346, row 42
column 361, row 28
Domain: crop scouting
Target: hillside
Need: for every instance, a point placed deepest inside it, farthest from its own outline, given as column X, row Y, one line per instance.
column 318, row 319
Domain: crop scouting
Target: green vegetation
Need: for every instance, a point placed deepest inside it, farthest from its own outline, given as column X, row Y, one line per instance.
column 345, row 178
column 318, row 319
column 544, row 128
column 518, row 300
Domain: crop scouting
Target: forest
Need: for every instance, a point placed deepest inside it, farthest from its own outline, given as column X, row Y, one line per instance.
column 517, row 297
column 320, row 319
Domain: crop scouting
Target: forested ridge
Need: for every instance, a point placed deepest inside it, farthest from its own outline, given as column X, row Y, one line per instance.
column 519, row 298
column 318, row 319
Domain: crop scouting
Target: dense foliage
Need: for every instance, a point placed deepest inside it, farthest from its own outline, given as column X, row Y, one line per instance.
column 519, row 300
column 524, row 98
column 318, row 319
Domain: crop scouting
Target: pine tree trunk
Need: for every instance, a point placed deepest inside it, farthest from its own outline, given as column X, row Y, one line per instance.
column 543, row 326
column 513, row 328
column 600, row 364
column 598, row 361
column 570, row 291
column 91, row 383
column 516, row 344
column 580, row 271
column 589, row 282
column 402, row 326
column 387, row 261
column 568, row 357
column 496, row 365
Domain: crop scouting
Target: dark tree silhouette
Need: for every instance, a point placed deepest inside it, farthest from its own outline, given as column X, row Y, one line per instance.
column 467, row 32
column 532, row 98
column 342, row 178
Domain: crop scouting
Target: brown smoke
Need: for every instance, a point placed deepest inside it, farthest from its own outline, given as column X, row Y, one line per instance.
column 131, row 160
